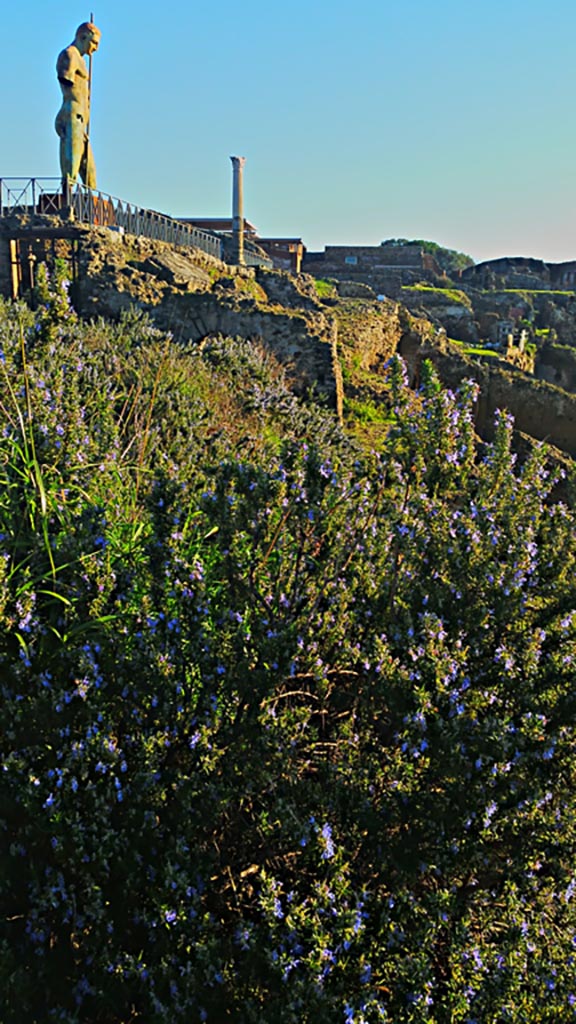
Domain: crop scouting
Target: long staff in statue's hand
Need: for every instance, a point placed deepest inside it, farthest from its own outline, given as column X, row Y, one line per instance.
column 89, row 84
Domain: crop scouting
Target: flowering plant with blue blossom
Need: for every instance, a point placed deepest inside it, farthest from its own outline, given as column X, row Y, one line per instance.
column 286, row 726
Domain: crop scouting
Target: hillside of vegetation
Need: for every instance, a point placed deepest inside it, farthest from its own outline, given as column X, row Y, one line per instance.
column 287, row 723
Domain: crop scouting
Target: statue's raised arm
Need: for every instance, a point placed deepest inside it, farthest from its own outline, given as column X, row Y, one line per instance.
column 73, row 118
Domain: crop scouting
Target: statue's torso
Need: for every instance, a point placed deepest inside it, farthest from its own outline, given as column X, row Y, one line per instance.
column 73, row 77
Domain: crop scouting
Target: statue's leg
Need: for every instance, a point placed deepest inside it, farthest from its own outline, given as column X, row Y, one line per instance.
column 88, row 167
column 65, row 156
column 71, row 129
column 61, row 125
column 74, row 142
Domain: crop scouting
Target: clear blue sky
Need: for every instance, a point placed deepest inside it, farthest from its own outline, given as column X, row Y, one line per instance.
column 359, row 121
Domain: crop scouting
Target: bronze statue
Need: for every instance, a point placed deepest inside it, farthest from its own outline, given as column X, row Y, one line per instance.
column 73, row 118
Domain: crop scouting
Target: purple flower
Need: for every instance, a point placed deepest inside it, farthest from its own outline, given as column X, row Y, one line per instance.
column 328, row 850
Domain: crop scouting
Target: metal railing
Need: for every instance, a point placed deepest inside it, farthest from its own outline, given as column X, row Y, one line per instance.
column 30, row 195
column 254, row 259
column 45, row 196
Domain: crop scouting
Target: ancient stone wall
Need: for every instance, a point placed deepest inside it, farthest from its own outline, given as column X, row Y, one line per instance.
column 286, row 289
column 563, row 275
column 508, row 272
column 544, row 412
column 302, row 342
column 27, row 241
column 383, row 268
column 521, row 272
column 354, row 290
column 557, row 365
column 195, row 298
column 194, row 295
column 371, row 332
column 449, row 308
column 374, row 256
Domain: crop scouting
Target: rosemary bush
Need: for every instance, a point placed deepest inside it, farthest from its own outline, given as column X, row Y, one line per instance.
column 287, row 728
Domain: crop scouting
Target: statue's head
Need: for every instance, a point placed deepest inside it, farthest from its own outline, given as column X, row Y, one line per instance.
column 87, row 37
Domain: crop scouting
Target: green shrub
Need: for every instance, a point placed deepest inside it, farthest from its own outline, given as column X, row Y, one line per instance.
column 366, row 411
column 324, row 289
column 287, row 732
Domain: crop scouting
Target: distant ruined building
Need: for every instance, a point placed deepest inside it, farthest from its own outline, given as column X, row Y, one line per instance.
column 387, row 268
column 384, row 268
column 521, row 272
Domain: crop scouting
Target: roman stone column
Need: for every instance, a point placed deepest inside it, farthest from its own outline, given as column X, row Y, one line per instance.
column 238, row 209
